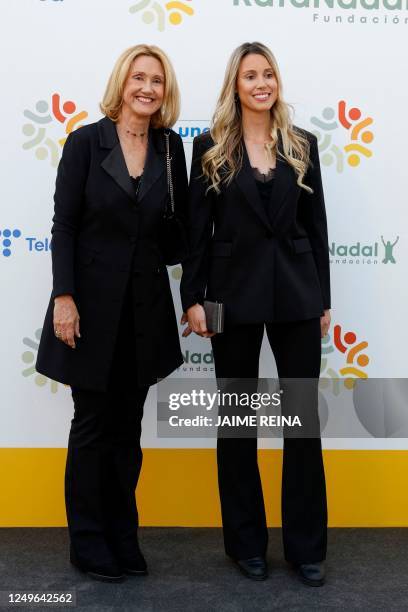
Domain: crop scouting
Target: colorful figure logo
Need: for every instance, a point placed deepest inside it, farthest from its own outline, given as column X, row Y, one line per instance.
column 355, row 359
column 6, row 236
column 357, row 130
column 161, row 12
column 28, row 358
column 37, row 131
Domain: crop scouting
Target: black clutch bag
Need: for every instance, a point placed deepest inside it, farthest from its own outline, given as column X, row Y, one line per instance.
column 172, row 235
column 214, row 316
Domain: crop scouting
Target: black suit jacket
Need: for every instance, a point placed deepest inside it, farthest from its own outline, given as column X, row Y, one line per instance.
column 102, row 234
column 263, row 269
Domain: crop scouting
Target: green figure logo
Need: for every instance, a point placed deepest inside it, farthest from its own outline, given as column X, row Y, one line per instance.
column 388, row 246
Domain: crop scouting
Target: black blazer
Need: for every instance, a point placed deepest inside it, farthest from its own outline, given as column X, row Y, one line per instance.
column 263, row 269
column 99, row 229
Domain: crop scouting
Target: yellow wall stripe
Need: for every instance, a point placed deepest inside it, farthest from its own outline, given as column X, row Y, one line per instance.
column 178, row 487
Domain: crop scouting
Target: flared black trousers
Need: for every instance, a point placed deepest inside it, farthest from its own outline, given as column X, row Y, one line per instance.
column 104, row 458
column 297, row 350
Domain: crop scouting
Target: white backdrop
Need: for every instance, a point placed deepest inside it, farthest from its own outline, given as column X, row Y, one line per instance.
column 55, row 59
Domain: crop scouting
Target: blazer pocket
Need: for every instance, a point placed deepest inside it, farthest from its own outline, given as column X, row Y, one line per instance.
column 301, row 245
column 221, row 249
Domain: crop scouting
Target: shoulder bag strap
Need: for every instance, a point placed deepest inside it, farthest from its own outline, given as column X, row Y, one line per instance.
column 169, row 174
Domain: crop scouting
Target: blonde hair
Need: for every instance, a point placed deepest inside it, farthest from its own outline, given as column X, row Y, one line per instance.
column 111, row 104
column 222, row 161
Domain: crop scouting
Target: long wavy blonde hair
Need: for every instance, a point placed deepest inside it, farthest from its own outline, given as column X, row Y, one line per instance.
column 222, row 161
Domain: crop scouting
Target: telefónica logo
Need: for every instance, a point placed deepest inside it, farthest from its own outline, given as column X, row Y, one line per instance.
column 6, row 237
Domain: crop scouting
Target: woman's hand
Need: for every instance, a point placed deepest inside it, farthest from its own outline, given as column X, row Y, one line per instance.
column 195, row 318
column 66, row 320
column 187, row 331
column 325, row 323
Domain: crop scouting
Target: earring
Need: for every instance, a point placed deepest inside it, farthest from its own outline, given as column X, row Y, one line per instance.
column 236, row 97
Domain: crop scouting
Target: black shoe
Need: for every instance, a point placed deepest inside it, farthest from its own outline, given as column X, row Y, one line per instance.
column 134, row 565
column 109, row 572
column 254, row 568
column 312, row 574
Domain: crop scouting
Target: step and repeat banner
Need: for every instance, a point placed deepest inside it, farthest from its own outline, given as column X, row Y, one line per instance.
column 342, row 65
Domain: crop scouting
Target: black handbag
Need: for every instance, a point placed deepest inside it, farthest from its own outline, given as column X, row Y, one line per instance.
column 173, row 238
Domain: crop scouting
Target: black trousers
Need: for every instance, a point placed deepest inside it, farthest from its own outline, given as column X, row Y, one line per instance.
column 104, row 458
column 297, row 350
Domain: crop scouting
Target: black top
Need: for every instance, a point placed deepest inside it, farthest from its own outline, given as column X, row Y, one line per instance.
column 136, row 183
column 264, row 178
column 264, row 183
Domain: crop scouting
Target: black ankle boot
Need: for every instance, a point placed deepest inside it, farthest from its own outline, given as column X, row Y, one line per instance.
column 105, row 572
column 254, row 568
column 312, row 574
column 134, row 564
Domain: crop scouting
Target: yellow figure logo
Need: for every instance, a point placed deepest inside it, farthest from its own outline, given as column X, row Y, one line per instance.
column 158, row 12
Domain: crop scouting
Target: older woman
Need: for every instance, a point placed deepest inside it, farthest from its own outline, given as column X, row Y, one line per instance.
column 110, row 330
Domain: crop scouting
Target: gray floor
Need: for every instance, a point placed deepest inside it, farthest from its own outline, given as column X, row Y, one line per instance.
column 367, row 570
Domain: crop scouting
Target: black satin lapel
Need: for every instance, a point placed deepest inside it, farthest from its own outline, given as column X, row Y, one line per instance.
column 246, row 182
column 284, row 183
column 114, row 164
column 155, row 163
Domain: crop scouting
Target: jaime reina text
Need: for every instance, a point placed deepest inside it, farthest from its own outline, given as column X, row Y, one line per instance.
column 249, row 420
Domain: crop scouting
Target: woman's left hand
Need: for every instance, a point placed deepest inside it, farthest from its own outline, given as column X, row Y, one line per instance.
column 325, row 323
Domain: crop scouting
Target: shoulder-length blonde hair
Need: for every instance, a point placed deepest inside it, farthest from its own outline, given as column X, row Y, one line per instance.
column 111, row 104
column 222, row 162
